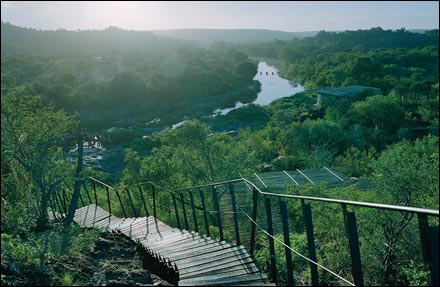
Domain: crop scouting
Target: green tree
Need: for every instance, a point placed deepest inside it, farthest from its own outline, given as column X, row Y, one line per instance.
column 246, row 70
column 407, row 173
column 189, row 155
column 381, row 116
column 32, row 146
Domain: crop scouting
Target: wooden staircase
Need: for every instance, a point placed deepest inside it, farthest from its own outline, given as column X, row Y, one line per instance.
column 200, row 260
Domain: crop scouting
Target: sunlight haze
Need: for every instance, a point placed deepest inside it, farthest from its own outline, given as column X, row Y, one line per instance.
column 274, row 15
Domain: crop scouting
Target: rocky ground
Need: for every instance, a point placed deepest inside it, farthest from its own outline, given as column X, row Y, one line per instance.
column 111, row 261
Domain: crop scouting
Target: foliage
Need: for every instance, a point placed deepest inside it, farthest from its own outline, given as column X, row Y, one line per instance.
column 135, row 83
column 32, row 255
column 298, row 242
column 245, row 69
column 389, row 139
column 408, row 173
column 25, row 255
column 188, row 155
column 33, row 137
column 355, row 162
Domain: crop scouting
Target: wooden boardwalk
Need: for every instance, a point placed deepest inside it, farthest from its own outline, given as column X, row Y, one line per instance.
column 200, row 260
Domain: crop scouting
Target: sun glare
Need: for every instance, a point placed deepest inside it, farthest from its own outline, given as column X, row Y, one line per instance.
column 126, row 14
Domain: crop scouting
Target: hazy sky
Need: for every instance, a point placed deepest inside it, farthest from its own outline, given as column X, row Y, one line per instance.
column 286, row 16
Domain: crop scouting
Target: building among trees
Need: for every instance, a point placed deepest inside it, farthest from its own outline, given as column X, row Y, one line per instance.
column 344, row 92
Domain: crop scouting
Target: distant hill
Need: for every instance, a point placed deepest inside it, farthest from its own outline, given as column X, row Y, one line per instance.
column 16, row 39
column 232, row 35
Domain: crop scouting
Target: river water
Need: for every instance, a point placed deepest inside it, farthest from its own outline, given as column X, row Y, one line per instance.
column 272, row 87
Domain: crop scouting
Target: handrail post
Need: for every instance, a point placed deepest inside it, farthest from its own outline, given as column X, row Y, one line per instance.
column 143, row 200
column 433, row 241
column 191, row 198
column 131, row 202
column 205, row 215
column 94, row 190
column 175, row 209
column 87, row 192
column 284, row 219
column 120, row 202
column 59, row 207
column 234, row 210
column 52, row 207
column 254, row 218
column 344, row 215
column 185, row 218
column 311, row 243
column 424, row 236
column 154, row 202
column 273, row 264
column 108, row 200
column 81, row 199
column 62, row 208
column 354, row 250
column 65, row 200
column 217, row 210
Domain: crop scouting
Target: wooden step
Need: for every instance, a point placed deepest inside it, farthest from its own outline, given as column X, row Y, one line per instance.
column 201, row 260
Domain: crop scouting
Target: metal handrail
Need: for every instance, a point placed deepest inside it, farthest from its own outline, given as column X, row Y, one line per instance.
column 349, row 219
column 129, row 185
column 431, row 212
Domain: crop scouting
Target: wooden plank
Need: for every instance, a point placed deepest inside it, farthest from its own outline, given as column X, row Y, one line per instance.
column 214, row 279
column 180, row 248
column 91, row 212
column 201, row 260
column 248, row 267
column 204, row 252
column 115, row 220
column 136, row 221
column 208, row 255
column 93, row 223
column 242, row 278
column 198, row 249
column 90, row 216
column 134, row 227
column 180, row 244
column 168, row 237
column 146, row 228
column 251, row 283
column 162, row 237
column 153, row 235
column 125, row 221
column 221, row 264
column 126, row 227
column 106, row 223
column 149, row 228
column 116, row 223
column 156, row 231
column 214, row 259
column 174, row 246
column 157, row 237
column 221, row 267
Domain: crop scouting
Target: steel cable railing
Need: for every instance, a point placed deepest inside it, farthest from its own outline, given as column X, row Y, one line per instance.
column 190, row 210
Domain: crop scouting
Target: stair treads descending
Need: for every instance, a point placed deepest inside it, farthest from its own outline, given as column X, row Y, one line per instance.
column 250, row 279
column 201, row 260
column 90, row 215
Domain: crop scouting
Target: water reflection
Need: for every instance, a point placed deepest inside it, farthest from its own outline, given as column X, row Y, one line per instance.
column 272, row 87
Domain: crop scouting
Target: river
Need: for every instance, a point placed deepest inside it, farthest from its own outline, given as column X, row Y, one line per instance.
column 272, row 87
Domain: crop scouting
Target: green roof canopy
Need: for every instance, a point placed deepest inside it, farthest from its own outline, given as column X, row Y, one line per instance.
column 349, row 91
